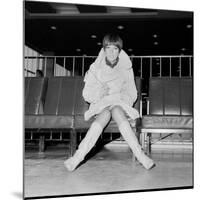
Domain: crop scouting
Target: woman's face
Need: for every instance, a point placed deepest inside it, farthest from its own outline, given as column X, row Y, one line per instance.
column 112, row 52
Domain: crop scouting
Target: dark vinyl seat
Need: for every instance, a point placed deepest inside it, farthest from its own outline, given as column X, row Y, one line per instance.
column 59, row 104
column 35, row 89
column 170, row 108
column 58, row 107
column 58, row 111
column 34, row 98
column 80, row 107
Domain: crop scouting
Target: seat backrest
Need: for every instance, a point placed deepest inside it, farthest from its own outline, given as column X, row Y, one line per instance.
column 171, row 96
column 60, row 96
column 35, row 88
column 81, row 106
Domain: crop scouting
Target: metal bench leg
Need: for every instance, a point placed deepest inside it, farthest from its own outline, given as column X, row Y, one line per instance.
column 142, row 140
column 73, row 142
column 41, row 143
column 148, row 143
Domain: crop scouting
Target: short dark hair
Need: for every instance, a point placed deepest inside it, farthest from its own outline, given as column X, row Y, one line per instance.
column 39, row 73
column 112, row 39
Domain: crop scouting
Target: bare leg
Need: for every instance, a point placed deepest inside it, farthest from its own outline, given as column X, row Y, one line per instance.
column 129, row 135
column 89, row 140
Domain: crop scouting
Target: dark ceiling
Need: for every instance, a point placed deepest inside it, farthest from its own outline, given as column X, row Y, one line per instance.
column 74, row 29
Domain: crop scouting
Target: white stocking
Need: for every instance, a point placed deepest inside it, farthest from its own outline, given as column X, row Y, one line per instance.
column 85, row 146
column 130, row 137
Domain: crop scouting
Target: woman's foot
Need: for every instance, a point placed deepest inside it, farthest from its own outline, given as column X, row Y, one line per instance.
column 147, row 162
column 71, row 164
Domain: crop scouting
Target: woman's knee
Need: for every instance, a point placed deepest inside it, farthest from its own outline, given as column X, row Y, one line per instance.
column 104, row 117
column 117, row 110
column 118, row 114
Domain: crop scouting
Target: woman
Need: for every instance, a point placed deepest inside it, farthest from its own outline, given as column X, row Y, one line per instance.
column 110, row 89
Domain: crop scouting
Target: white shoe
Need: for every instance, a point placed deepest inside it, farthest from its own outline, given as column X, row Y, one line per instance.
column 71, row 164
column 84, row 147
column 130, row 137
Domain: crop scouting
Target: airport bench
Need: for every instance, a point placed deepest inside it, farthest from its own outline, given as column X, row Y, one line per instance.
column 64, row 108
column 58, row 109
column 170, row 109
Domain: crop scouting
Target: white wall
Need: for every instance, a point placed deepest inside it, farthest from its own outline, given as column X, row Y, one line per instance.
column 61, row 71
column 31, row 65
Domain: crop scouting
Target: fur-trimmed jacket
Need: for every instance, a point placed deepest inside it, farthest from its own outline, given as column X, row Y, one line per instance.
column 120, row 81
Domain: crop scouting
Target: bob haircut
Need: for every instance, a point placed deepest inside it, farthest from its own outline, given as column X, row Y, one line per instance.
column 112, row 39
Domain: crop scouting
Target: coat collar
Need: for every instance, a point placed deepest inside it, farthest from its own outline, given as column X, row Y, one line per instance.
column 124, row 60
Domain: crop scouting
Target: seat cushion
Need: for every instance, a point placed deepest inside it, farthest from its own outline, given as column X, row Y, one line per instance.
column 113, row 128
column 167, row 121
column 48, row 121
column 81, row 124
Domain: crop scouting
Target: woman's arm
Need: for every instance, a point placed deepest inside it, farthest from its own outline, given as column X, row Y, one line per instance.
column 129, row 91
column 93, row 90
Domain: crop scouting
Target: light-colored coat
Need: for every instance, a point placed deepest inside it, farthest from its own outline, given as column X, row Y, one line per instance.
column 121, row 83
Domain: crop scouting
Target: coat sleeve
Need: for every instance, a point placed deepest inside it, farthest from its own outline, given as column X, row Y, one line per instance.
column 129, row 91
column 91, row 90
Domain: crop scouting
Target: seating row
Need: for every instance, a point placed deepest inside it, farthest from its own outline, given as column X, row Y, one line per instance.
column 57, row 103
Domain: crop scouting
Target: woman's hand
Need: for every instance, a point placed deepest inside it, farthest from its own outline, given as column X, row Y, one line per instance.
column 104, row 91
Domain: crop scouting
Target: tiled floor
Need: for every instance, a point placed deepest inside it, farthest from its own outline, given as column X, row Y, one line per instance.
column 110, row 170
